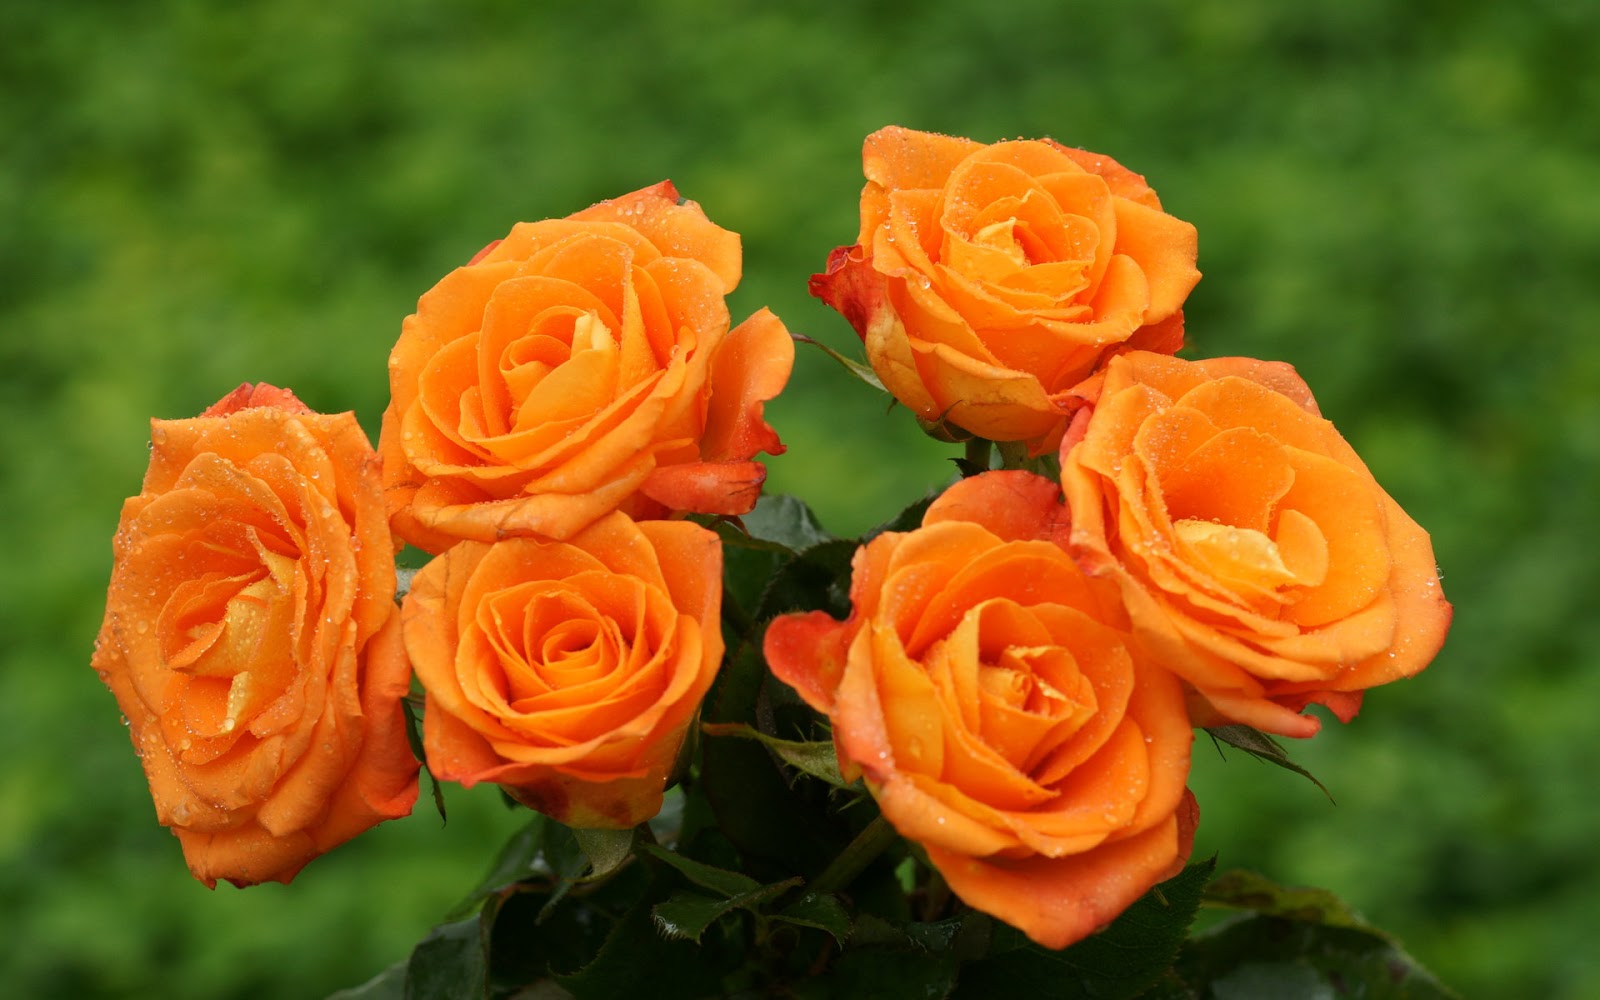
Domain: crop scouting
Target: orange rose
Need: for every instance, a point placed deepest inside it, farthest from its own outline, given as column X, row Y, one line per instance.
column 988, row 280
column 1258, row 557
column 983, row 686
column 579, row 366
column 252, row 640
column 568, row 672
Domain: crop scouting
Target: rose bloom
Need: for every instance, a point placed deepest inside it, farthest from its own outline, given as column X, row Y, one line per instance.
column 986, row 690
column 1258, row 557
column 579, row 366
column 988, row 280
column 252, row 640
column 568, row 672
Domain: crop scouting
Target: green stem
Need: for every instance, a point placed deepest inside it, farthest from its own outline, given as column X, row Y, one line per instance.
column 978, row 455
column 857, row 855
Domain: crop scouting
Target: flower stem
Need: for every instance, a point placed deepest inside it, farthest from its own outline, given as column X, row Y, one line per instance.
column 977, row 458
column 857, row 855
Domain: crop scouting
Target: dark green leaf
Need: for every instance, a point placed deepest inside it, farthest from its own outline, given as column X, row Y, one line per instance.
column 819, row 759
column 636, row 961
column 787, row 521
column 414, row 737
column 861, row 372
column 605, row 850
column 1119, row 962
column 686, row 915
column 1298, row 942
column 718, row 880
column 450, row 964
column 748, row 792
column 817, row 579
column 560, row 854
column 906, row 960
column 390, row 984
column 1260, row 745
column 666, row 826
column 1260, row 957
column 1246, row 890
column 821, row 910
column 967, row 935
column 884, row 974
column 517, row 860
column 1169, row 987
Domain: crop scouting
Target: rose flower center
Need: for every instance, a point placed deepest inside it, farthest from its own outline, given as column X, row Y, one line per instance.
column 231, row 636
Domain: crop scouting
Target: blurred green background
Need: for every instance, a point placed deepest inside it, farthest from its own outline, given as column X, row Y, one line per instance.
column 1401, row 200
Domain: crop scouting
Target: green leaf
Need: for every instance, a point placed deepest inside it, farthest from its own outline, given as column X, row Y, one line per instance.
column 1260, row 745
column 821, row 910
column 859, row 371
column 1298, row 942
column 816, row 579
column 820, row 759
column 687, row 914
column 901, row 961
column 1246, row 890
column 967, row 935
column 605, row 850
column 636, row 961
column 748, row 791
column 451, row 963
column 1117, row 963
column 718, row 880
column 560, row 854
column 1169, row 987
column 787, row 521
column 517, row 860
column 884, row 974
column 414, row 737
column 390, row 984
column 1262, row 957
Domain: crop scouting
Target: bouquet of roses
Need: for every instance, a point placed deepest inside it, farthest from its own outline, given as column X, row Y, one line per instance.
column 946, row 759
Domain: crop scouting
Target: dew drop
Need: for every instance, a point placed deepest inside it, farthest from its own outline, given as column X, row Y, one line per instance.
column 180, row 813
column 126, row 721
column 229, row 723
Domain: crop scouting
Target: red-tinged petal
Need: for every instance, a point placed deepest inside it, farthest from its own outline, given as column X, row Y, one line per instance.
column 852, row 287
column 260, row 394
column 753, row 365
column 808, row 652
column 728, row 488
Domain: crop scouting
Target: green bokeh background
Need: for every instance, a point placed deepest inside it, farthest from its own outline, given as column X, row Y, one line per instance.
column 1403, row 200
